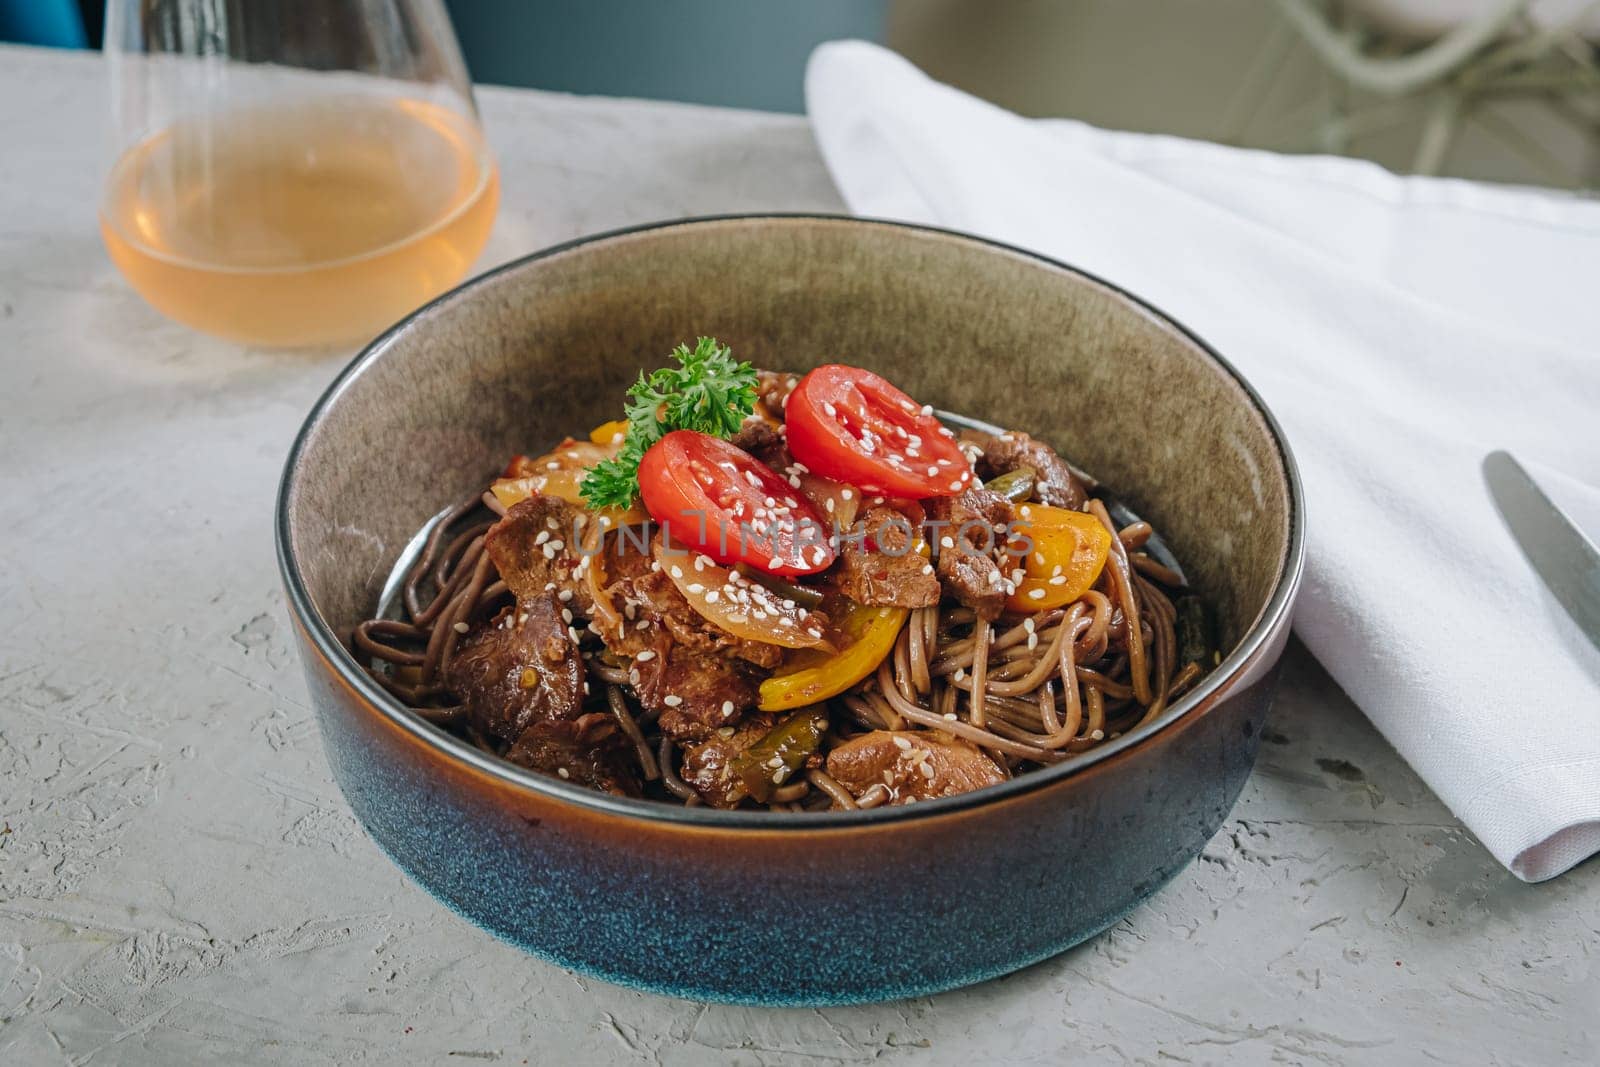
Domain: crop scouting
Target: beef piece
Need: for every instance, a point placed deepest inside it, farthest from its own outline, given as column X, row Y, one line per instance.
column 707, row 765
column 885, row 572
column 532, row 549
column 773, row 389
column 697, row 675
column 695, row 692
column 657, row 603
column 913, row 765
column 762, row 440
column 977, row 521
column 589, row 751
column 1056, row 485
column 520, row 669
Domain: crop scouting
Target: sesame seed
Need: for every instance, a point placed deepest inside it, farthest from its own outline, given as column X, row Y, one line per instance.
column 558, row 544
column 1028, row 624
column 566, row 615
column 947, row 542
column 544, row 535
column 1036, row 594
column 724, row 732
column 633, row 678
column 927, row 568
column 672, row 700
column 562, row 771
column 927, row 409
column 778, row 776
column 955, row 487
column 727, row 709
column 677, row 571
column 713, row 596
column 564, row 596
column 646, row 656
column 846, row 494
column 1060, row 579
column 950, row 716
column 933, row 472
column 776, row 561
column 960, row 675
column 1098, row 735
column 460, row 627
column 902, row 744
column 1033, row 642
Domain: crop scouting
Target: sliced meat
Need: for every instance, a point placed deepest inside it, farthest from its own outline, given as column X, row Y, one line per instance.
column 773, row 389
column 912, row 765
column 589, row 751
column 883, row 570
column 532, row 549
column 657, row 603
column 1055, row 483
column 696, row 675
column 707, row 764
column 696, row 693
column 975, row 525
column 521, row 669
column 762, row 440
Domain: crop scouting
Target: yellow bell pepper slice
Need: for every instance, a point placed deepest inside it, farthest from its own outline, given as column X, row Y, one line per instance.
column 866, row 636
column 1069, row 552
column 609, row 433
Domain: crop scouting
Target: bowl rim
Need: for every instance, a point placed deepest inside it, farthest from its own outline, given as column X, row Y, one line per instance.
column 1267, row 624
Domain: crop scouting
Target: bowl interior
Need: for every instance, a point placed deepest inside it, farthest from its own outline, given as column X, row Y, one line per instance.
column 545, row 347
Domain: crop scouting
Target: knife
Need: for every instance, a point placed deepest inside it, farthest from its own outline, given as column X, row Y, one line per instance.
column 1568, row 561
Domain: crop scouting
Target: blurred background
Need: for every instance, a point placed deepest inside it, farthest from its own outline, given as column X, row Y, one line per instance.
column 1502, row 90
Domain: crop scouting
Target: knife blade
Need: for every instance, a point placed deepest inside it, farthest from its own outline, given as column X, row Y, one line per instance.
column 1564, row 558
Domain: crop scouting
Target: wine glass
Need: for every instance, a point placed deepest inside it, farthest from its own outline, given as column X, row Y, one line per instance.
column 292, row 172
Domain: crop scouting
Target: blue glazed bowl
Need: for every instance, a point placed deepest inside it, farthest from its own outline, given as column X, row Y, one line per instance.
column 767, row 908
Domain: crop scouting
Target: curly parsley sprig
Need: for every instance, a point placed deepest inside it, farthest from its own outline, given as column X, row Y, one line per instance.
column 708, row 391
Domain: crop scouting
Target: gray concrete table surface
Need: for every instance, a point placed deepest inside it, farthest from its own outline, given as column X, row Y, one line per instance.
column 180, row 881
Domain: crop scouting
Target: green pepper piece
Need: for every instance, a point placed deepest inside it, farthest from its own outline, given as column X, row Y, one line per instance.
column 774, row 759
column 802, row 595
column 1016, row 486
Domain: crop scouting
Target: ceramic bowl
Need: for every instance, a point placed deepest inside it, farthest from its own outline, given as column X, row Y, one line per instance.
column 775, row 908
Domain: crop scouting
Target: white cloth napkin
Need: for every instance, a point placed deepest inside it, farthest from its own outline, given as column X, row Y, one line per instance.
column 1399, row 328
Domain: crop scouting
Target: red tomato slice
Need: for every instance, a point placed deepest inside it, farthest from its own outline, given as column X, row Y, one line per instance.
column 721, row 501
column 851, row 425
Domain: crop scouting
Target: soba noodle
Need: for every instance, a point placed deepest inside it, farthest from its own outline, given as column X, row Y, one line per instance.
column 1028, row 690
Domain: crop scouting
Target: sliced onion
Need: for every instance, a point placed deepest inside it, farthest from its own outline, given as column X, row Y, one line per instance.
column 837, row 501
column 559, row 473
column 732, row 602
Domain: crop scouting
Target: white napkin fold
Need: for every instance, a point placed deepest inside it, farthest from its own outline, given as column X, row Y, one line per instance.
column 1399, row 328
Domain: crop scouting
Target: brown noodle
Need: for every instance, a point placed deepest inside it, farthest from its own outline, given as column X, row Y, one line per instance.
column 1029, row 690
